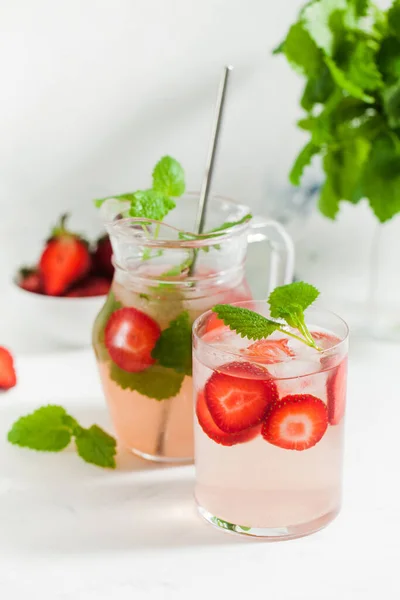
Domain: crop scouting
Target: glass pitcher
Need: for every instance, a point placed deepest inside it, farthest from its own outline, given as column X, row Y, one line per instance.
column 164, row 279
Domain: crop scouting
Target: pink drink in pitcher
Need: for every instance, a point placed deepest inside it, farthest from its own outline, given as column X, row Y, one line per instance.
column 164, row 279
column 269, row 427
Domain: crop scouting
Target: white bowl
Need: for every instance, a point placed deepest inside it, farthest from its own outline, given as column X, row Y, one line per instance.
column 66, row 321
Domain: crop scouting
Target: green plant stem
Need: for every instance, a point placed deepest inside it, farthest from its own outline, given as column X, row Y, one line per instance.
column 304, row 340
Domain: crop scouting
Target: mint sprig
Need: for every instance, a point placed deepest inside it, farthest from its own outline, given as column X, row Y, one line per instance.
column 156, row 202
column 349, row 53
column 174, row 346
column 287, row 302
column 51, row 429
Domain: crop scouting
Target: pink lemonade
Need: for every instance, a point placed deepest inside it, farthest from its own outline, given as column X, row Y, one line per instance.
column 151, row 404
column 269, row 427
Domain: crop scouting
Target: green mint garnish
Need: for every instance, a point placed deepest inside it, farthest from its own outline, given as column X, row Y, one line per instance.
column 51, row 429
column 349, row 53
column 155, row 203
column 287, row 302
column 174, row 346
column 150, row 204
column 169, row 177
column 157, row 382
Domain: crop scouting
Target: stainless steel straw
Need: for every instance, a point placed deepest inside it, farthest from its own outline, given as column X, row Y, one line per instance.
column 208, row 174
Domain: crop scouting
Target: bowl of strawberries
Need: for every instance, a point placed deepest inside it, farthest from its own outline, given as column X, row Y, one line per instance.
column 66, row 289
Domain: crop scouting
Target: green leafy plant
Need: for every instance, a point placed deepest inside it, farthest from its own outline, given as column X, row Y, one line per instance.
column 51, row 429
column 349, row 53
column 287, row 303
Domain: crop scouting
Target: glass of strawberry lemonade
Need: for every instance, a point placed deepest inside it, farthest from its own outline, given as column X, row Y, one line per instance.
column 269, row 424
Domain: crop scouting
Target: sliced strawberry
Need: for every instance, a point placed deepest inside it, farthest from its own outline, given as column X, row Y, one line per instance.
column 269, row 351
column 214, row 323
column 240, row 399
column 65, row 260
column 336, row 391
column 296, row 422
column 8, row 378
column 212, row 430
column 102, row 257
column 29, row 280
column 92, row 286
column 325, row 340
column 130, row 337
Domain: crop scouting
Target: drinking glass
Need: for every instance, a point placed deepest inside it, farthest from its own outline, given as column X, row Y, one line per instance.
column 269, row 426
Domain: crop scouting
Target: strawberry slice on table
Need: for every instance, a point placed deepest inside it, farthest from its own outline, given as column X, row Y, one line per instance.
column 92, row 286
column 64, row 261
column 212, row 430
column 336, row 391
column 29, row 280
column 296, row 422
column 269, row 351
column 8, row 378
column 238, row 395
column 102, row 257
column 130, row 336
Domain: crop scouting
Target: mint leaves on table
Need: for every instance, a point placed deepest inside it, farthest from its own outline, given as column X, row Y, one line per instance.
column 287, row 303
column 51, row 429
column 156, row 202
column 349, row 53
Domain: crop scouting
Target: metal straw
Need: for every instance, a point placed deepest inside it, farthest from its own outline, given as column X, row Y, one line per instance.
column 209, row 172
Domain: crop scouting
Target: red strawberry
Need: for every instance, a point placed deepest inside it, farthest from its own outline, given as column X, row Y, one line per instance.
column 269, row 351
column 240, row 399
column 8, row 378
column 102, row 257
column 214, row 323
column 64, row 261
column 336, row 392
column 296, row 422
column 29, row 280
column 214, row 432
column 92, row 286
column 130, row 336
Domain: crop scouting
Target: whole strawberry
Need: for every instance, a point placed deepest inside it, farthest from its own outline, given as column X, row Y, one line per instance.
column 29, row 280
column 8, row 378
column 102, row 257
column 65, row 260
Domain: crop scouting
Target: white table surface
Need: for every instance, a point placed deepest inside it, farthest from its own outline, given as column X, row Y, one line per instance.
column 72, row 531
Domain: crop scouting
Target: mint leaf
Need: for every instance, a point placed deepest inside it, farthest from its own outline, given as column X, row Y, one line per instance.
column 388, row 59
column 345, row 83
column 302, row 161
column 317, row 18
column 156, row 382
column 150, row 204
column 391, row 101
column 318, row 88
column 46, row 429
column 95, row 446
column 363, row 69
column 288, row 302
column 230, row 224
column 291, row 299
column 345, row 166
column 245, row 322
column 381, row 181
column 174, row 346
column 301, row 51
column 169, row 177
column 394, row 18
column 328, row 202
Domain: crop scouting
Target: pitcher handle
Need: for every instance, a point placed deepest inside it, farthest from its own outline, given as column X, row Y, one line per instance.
column 282, row 249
